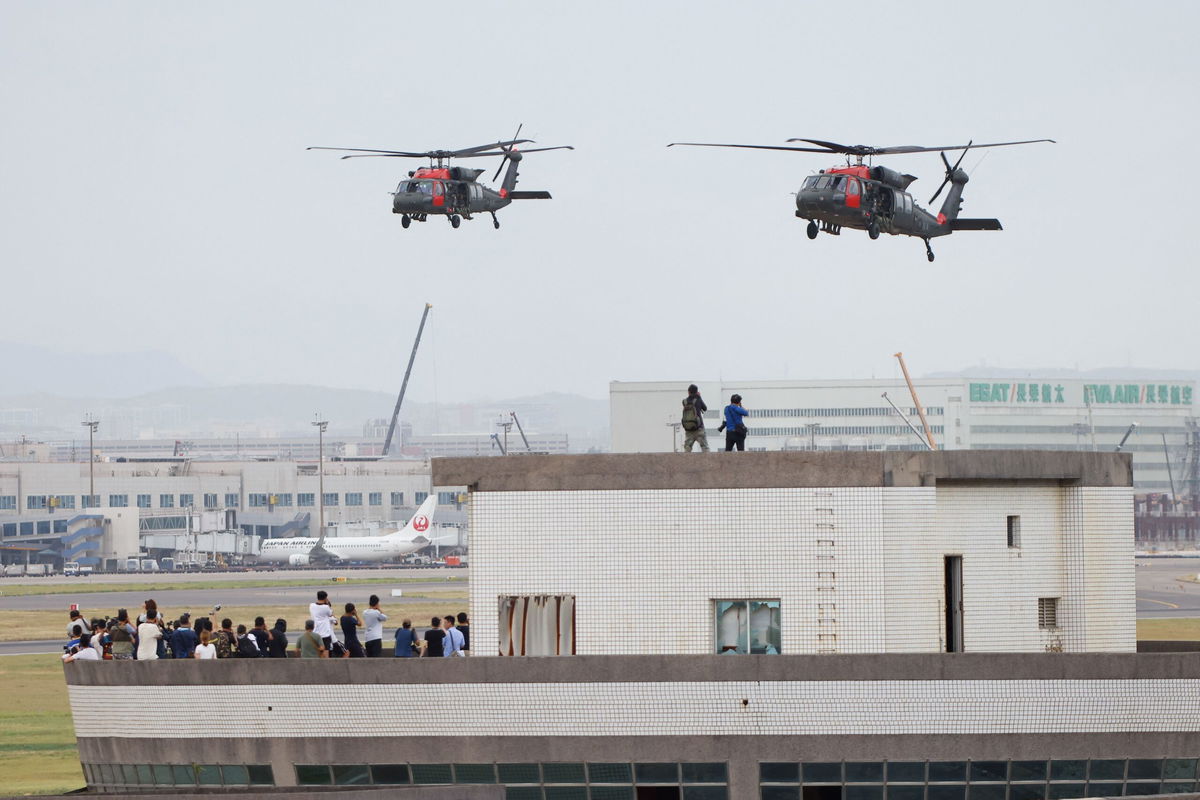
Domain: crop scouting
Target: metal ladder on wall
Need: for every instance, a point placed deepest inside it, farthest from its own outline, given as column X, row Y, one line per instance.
column 826, row 523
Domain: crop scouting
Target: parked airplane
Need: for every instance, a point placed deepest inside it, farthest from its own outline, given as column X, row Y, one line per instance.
column 303, row 552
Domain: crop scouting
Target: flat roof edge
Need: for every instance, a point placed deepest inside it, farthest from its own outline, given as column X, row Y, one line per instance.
column 780, row 469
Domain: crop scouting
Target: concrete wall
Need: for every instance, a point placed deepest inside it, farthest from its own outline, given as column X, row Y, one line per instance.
column 641, row 708
column 775, row 470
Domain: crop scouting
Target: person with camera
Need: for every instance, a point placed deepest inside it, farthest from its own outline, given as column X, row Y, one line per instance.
column 83, row 651
column 149, row 636
column 278, row 644
column 735, row 429
column 692, row 421
column 406, row 641
column 373, row 619
column 123, row 636
column 183, row 638
column 321, row 613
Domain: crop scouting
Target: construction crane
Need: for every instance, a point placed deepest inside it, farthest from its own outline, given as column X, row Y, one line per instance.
column 521, row 431
column 387, row 443
column 917, row 402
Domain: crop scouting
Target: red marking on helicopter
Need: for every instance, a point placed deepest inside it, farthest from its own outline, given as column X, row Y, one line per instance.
column 421, row 523
column 504, row 192
column 853, row 193
column 433, row 172
column 858, row 172
column 941, row 219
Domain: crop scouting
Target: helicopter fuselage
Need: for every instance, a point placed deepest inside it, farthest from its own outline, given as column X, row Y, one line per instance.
column 436, row 191
column 852, row 197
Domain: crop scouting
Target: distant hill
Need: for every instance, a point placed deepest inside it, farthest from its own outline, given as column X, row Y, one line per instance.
column 287, row 410
column 28, row 368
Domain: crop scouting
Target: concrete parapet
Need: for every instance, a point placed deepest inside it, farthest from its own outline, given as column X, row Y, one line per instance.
column 780, row 469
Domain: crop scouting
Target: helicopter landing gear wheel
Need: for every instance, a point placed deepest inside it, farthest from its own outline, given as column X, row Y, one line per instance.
column 873, row 231
column 495, row 221
column 405, row 221
column 812, row 229
column 455, row 220
column 928, row 251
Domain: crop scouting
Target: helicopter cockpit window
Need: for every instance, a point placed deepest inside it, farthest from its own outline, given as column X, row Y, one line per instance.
column 839, row 183
column 414, row 186
column 852, row 186
column 811, row 182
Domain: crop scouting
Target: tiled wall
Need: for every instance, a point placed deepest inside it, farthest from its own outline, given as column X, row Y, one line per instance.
column 858, row 570
column 643, row 708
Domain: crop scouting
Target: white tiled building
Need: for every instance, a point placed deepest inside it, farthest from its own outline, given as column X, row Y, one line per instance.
column 838, row 562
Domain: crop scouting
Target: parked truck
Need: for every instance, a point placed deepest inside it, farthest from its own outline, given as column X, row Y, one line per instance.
column 71, row 569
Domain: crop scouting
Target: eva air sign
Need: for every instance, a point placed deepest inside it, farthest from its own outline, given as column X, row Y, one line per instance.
column 1101, row 394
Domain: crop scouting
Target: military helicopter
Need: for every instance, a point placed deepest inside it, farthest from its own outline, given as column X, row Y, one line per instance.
column 452, row 192
column 875, row 199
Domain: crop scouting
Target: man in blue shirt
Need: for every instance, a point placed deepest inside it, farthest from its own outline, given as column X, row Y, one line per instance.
column 735, row 429
column 183, row 640
column 406, row 639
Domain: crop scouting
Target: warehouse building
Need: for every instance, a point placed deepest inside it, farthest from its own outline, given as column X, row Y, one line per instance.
column 962, row 414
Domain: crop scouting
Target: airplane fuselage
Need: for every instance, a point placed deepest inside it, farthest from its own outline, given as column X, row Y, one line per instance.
column 349, row 548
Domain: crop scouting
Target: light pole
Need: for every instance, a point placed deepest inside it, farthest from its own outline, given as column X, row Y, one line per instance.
column 91, row 424
column 812, row 434
column 321, row 426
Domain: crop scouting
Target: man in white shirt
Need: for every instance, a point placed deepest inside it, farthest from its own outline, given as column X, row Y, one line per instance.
column 374, row 619
column 77, row 625
column 85, row 652
column 148, row 634
column 322, row 617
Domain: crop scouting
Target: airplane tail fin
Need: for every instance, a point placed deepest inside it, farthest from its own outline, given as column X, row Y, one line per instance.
column 421, row 521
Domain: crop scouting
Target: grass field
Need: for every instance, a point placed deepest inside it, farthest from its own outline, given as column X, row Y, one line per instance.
column 37, row 740
column 1178, row 629
column 84, row 586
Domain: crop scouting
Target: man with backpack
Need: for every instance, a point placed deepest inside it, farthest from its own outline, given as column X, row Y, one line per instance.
column 692, row 421
column 227, row 643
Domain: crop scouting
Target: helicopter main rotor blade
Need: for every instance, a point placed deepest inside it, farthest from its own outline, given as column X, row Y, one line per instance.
column 491, row 146
column 376, row 152
column 867, row 150
column 753, row 147
column 544, row 149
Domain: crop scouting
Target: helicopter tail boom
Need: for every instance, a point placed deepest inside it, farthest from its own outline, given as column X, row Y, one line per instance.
column 976, row 225
column 534, row 195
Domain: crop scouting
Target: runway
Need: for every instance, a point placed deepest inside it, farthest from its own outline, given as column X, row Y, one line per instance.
column 199, row 601
column 1161, row 593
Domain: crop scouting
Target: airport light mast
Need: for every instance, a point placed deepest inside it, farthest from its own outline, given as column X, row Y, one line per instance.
column 91, row 425
column 321, row 425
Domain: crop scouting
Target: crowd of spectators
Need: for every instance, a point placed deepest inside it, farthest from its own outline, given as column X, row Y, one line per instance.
column 150, row 636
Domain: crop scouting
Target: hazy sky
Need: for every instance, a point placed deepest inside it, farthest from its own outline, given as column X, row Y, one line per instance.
column 155, row 191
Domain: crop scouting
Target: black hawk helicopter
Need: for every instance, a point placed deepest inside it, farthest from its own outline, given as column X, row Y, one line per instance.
column 875, row 199
column 452, row 192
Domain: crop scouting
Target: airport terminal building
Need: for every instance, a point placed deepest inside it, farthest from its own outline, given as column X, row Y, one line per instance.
column 221, row 506
column 793, row 626
column 963, row 414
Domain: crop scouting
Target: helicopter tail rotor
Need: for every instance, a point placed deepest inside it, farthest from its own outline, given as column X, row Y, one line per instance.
column 949, row 170
column 507, row 153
